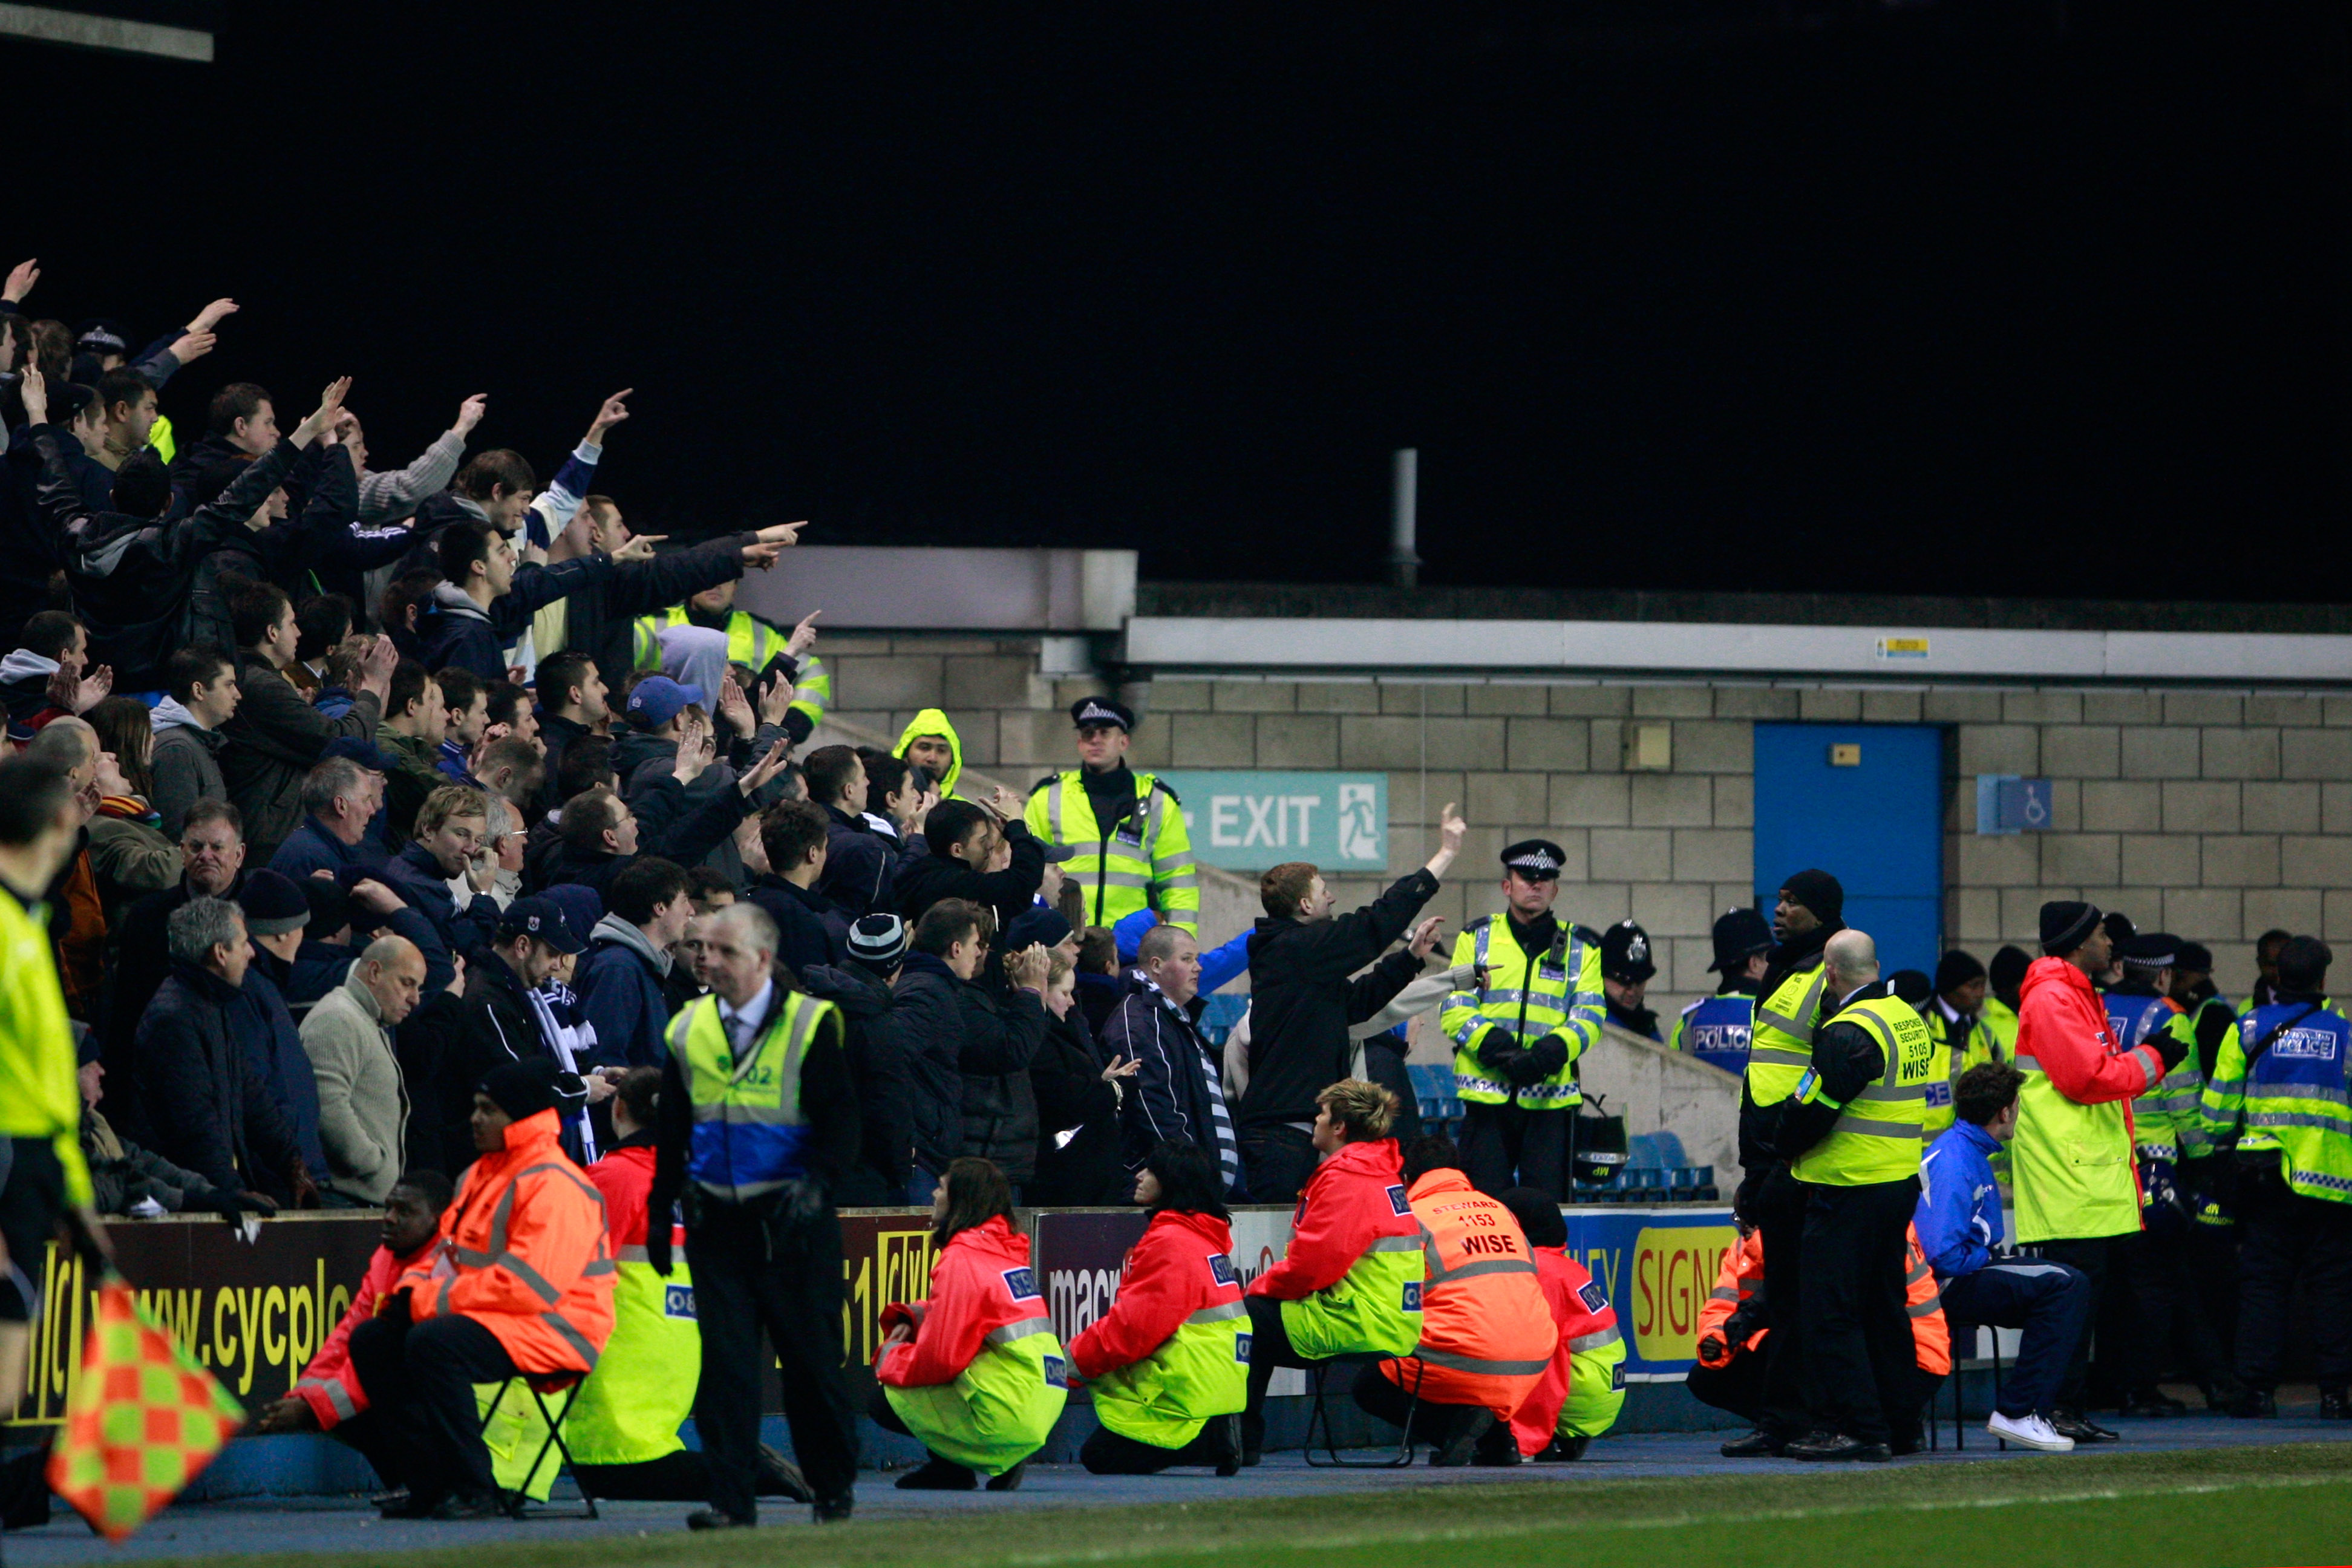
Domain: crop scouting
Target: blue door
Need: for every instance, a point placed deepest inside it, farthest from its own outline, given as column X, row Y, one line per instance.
column 1876, row 824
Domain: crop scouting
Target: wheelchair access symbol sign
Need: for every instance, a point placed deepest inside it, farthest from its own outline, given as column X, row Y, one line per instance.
column 2007, row 803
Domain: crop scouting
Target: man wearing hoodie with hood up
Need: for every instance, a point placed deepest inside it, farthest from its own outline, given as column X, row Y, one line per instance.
column 930, row 742
column 200, row 696
column 623, row 979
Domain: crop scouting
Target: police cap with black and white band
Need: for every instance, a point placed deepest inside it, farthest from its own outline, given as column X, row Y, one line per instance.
column 1087, row 712
column 1536, row 859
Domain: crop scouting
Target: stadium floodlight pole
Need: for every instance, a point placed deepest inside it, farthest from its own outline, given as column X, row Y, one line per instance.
column 1404, row 566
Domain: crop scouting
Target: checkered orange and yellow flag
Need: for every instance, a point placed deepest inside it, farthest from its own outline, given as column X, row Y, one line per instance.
column 143, row 1422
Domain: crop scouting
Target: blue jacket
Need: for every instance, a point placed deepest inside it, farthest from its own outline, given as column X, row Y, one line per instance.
column 263, row 1029
column 1958, row 1218
column 416, row 876
column 310, row 849
column 621, row 993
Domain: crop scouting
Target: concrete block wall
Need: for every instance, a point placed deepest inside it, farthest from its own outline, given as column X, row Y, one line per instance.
column 2214, row 815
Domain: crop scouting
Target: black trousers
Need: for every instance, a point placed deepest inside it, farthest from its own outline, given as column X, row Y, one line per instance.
column 1276, row 1160
column 1395, row 1404
column 1860, row 1363
column 32, row 1198
column 1511, row 1146
column 785, row 1280
column 1270, row 1347
column 371, row 1435
column 2167, row 1311
column 2106, row 1316
column 1736, row 1386
column 2289, row 1237
column 419, row 1379
column 1108, row 1453
column 1781, row 1219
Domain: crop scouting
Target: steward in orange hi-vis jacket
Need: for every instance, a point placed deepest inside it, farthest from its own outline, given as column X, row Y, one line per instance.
column 522, row 1283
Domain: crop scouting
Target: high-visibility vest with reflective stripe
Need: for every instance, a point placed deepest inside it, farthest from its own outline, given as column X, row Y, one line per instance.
column 748, row 1126
column 999, row 1409
column 1975, row 1046
column 1486, row 1332
column 1923, row 1302
column 2001, row 1018
column 749, row 641
column 2164, row 1115
column 2296, row 1099
column 1781, row 1044
column 1878, row 1137
column 1373, row 1310
column 1131, row 867
column 632, row 1406
column 1557, row 992
column 1200, row 1371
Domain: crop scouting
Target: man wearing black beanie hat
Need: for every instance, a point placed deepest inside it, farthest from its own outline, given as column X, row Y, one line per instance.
column 2073, row 1175
column 1809, row 911
column 1955, row 1016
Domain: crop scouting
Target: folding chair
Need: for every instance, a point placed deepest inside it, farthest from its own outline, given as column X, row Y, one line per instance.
column 1959, row 1410
column 542, row 1387
column 1322, row 1413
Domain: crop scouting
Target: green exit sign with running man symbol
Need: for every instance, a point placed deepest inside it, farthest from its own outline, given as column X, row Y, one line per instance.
column 1250, row 820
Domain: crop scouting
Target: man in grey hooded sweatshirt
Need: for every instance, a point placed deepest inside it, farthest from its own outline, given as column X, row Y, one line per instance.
column 622, row 978
column 199, row 693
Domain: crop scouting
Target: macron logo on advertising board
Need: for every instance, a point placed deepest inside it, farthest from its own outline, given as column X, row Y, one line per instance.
column 1250, row 820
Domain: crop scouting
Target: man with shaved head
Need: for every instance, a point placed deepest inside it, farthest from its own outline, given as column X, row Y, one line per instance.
column 363, row 1103
column 1852, row 1136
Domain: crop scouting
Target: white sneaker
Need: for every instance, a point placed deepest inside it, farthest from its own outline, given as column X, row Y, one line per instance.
column 2029, row 1432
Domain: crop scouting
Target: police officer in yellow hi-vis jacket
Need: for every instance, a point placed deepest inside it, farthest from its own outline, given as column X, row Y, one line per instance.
column 1132, row 850
column 1851, row 1133
column 1534, row 1007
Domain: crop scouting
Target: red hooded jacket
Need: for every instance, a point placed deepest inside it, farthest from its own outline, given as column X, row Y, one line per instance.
column 1168, row 1275
column 329, row 1385
column 982, row 1281
column 2062, row 1024
column 1354, row 1198
column 1568, row 1291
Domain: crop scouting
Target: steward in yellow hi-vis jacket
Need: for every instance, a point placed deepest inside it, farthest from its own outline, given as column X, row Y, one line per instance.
column 1534, row 1007
column 1132, row 848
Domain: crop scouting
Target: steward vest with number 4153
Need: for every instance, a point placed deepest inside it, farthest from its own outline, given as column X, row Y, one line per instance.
column 1879, row 1131
column 1527, row 998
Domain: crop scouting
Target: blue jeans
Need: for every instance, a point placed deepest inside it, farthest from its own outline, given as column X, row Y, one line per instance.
column 2049, row 1301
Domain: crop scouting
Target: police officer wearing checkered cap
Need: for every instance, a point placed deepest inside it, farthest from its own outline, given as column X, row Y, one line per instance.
column 1534, row 1004
column 1129, row 848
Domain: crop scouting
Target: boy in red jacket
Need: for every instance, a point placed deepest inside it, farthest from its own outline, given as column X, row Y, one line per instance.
column 327, row 1398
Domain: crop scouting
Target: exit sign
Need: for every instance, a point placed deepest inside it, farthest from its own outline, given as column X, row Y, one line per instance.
column 1253, row 819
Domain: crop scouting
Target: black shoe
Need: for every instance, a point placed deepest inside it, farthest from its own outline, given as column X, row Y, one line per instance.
column 1459, row 1444
column 1228, row 1444
column 2154, row 1404
column 1253, row 1431
column 2256, row 1404
column 2334, row 1405
column 392, row 1498
column 471, row 1505
column 1009, row 1481
column 2223, row 1392
column 408, row 1505
column 938, row 1475
column 2073, row 1423
column 833, row 1510
column 716, row 1519
column 1830, row 1448
column 1757, row 1445
column 1500, row 1448
column 775, row 1476
column 1564, row 1450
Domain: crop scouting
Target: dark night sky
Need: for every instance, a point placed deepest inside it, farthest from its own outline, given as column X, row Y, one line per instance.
column 1670, row 293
